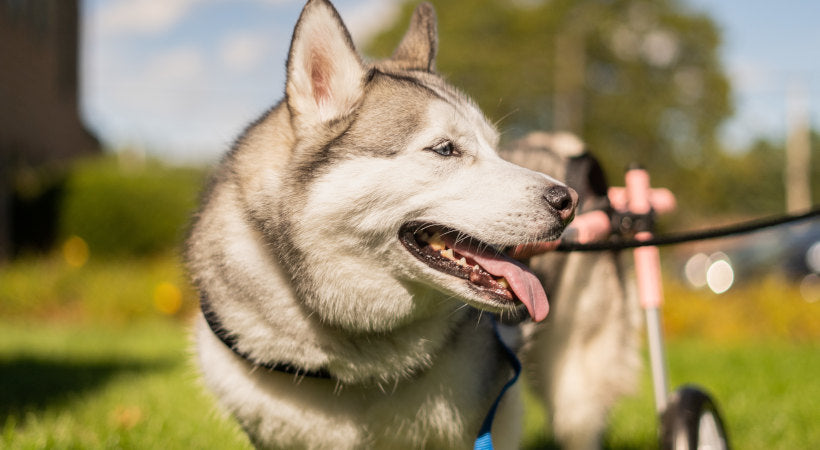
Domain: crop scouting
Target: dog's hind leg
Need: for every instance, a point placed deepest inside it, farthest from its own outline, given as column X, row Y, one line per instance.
column 585, row 383
column 587, row 356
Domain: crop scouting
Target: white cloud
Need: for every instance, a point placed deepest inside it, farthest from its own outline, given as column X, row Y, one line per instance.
column 750, row 76
column 368, row 17
column 189, row 97
column 141, row 16
column 243, row 51
column 179, row 65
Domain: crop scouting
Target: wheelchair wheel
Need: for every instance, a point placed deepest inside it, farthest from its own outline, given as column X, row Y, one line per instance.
column 692, row 422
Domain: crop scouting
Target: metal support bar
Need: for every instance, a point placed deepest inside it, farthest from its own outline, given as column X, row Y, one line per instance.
column 657, row 359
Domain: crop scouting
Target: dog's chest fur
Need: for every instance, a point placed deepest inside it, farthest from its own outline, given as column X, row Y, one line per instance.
column 435, row 408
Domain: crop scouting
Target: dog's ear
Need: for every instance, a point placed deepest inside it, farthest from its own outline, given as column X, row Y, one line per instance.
column 417, row 49
column 325, row 74
column 586, row 176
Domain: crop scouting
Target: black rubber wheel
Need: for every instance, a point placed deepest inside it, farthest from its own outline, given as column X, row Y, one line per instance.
column 692, row 422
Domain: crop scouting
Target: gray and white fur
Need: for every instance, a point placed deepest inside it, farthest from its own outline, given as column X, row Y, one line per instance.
column 302, row 252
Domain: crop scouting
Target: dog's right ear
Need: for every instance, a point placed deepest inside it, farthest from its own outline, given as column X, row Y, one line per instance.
column 325, row 75
column 417, row 49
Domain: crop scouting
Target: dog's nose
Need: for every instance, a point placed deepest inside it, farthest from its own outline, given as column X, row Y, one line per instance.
column 564, row 200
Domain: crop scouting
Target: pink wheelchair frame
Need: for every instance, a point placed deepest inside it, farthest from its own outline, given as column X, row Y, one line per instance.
column 689, row 417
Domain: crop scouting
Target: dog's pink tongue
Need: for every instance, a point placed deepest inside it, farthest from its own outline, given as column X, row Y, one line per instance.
column 522, row 281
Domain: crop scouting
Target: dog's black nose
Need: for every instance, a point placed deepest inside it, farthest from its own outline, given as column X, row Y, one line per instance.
column 563, row 199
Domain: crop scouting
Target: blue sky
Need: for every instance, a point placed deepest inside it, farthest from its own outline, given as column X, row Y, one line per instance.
column 771, row 51
column 180, row 78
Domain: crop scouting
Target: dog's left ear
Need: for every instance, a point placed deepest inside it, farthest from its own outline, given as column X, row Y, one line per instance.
column 586, row 176
column 325, row 75
column 417, row 49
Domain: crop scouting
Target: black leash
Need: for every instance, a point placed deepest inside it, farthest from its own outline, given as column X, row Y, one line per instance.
column 689, row 236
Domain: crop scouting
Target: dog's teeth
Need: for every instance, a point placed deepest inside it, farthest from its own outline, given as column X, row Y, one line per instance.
column 503, row 282
column 448, row 254
column 462, row 262
column 436, row 242
column 476, row 267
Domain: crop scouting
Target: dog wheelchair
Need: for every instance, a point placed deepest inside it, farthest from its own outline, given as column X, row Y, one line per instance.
column 689, row 417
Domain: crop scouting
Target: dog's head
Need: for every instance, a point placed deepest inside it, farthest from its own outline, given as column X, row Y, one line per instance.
column 565, row 157
column 394, row 191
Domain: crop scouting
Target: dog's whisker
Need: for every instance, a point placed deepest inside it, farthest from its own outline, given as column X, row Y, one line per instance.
column 458, row 309
column 497, row 123
column 462, row 237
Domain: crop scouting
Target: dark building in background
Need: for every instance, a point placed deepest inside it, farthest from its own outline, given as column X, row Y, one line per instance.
column 40, row 125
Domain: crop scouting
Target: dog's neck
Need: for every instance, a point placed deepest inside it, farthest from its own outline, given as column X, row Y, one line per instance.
column 411, row 363
column 230, row 341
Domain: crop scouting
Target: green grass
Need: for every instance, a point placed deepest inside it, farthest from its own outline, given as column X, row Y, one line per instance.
column 132, row 387
column 89, row 359
column 81, row 386
column 766, row 391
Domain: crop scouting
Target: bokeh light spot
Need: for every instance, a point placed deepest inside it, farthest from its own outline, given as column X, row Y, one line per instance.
column 720, row 276
column 813, row 257
column 810, row 288
column 695, row 270
column 75, row 251
column 167, row 298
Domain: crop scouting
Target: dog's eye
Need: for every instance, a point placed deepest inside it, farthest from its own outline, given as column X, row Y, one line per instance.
column 445, row 148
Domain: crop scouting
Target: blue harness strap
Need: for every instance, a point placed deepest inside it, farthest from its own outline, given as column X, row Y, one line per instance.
column 484, row 440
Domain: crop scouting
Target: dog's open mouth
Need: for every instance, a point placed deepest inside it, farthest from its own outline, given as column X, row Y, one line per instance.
column 488, row 269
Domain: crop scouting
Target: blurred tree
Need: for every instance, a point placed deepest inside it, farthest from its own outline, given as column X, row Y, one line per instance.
column 752, row 181
column 639, row 80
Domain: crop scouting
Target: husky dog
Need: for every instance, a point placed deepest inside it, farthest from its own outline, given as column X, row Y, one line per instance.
column 351, row 248
column 587, row 353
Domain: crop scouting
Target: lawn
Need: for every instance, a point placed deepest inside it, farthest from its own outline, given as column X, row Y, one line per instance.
column 88, row 387
column 767, row 393
column 94, row 357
